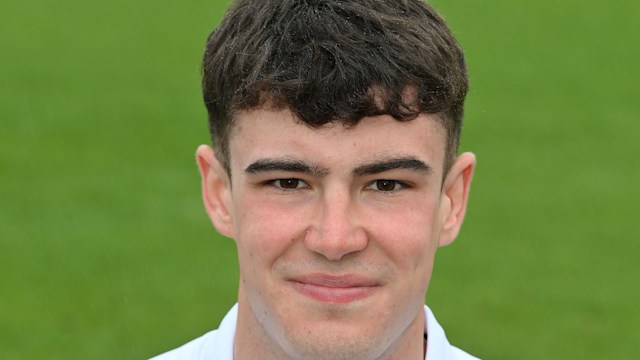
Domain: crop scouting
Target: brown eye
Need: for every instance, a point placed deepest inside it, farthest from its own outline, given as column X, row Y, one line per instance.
column 289, row 184
column 385, row 185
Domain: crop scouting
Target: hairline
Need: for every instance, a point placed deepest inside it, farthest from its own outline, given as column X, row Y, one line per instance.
column 223, row 151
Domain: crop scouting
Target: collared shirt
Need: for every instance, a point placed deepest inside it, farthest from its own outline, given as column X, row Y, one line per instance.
column 218, row 344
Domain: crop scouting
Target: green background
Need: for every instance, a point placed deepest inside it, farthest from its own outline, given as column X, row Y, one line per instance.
column 105, row 249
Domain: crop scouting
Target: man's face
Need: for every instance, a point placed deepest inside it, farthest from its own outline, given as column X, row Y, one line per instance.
column 336, row 230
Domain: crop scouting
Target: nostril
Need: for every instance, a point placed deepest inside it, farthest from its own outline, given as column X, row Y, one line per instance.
column 334, row 243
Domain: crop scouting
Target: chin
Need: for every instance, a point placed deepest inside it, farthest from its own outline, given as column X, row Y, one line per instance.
column 325, row 344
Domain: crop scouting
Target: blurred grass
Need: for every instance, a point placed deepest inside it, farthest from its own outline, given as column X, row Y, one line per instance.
column 105, row 250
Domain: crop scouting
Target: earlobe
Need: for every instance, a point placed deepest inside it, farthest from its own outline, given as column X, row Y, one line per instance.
column 455, row 195
column 216, row 190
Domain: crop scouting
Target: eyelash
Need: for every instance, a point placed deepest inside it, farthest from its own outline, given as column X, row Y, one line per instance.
column 397, row 185
column 293, row 184
column 277, row 183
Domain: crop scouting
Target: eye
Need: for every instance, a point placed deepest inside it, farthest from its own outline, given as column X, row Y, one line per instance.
column 289, row 184
column 385, row 185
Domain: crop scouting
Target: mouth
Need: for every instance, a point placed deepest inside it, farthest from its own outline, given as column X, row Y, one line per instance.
column 333, row 289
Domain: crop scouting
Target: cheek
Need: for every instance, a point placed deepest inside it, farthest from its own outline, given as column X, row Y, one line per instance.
column 265, row 232
column 408, row 236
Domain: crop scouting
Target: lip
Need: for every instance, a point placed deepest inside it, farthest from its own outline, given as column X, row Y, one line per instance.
column 332, row 289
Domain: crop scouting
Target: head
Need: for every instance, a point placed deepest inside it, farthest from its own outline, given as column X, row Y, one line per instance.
column 336, row 127
column 333, row 61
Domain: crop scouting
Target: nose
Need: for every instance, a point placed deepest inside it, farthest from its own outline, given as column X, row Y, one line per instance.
column 337, row 230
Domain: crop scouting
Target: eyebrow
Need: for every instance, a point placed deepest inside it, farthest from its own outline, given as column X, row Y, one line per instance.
column 297, row 166
column 376, row 167
column 408, row 163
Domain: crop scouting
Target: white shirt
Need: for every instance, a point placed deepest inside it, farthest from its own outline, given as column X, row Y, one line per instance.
column 218, row 344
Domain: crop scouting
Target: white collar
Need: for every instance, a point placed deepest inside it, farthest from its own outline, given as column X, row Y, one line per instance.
column 438, row 347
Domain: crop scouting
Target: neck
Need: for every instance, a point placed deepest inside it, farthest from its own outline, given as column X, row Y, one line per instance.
column 254, row 340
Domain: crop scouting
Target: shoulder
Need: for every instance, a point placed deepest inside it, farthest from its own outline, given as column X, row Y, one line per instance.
column 195, row 349
column 438, row 346
column 216, row 344
column 458, row 354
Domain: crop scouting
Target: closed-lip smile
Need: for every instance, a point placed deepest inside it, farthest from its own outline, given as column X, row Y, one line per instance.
column 335, row 289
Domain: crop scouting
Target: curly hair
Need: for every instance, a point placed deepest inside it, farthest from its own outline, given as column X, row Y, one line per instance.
column 333, row 61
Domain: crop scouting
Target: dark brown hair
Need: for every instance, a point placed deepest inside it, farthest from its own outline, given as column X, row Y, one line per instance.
column 332, row 61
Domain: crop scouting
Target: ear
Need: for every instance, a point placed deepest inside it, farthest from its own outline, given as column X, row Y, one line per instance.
column 454, row 197
column 216, row 190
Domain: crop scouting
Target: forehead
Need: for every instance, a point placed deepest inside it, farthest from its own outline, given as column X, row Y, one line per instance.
column 267, row 133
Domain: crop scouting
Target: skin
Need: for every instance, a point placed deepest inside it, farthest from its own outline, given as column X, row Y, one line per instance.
column 336, row 231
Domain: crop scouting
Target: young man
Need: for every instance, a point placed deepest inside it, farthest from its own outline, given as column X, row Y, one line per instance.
column 336, row 126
